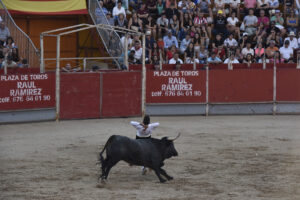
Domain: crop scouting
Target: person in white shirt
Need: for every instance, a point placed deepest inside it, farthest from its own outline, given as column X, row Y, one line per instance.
column 230, row 42
column 175, row 59
column 247, row 50
column 118, row 9
column 138, row 51
column 144, row 131
column 231, row 59
column 293, row 40
column 286, row 51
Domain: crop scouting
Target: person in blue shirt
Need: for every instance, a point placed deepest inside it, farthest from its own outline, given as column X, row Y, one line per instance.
column 213, row 59
column 170, row 40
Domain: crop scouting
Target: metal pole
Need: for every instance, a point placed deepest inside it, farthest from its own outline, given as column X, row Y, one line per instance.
column 160, row 59
column 5, row 67
column 264, row 61
column 274, row 87
column 298, row 63
column 57, row 78
column 126, row 52
column 144, row 77
column 84, row 64
column 207, row 90
column 42, row 64
column 194, row 63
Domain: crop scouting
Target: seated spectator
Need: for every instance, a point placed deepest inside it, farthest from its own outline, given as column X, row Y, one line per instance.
column 138, row 51
column 259, row 52
column 231, row 59
column 232, row 24
column 9, row 43
column 184, row 43
column 151, row 25
column 219, row 5
column 143, row 13
column 174, row 25
column 279, row 22
column 135, row 4
column 293, row 40
column 262, row 19
column 204, row 6
column 186, row 24
column 235, row 7
column 100, row 13
column 110, row 4
column 155, row 61
column 160, row 6
column 286, row 51
column 170, row 40
column 110, row 19
column 263, row 5
column 131, row 59
column 273, row 4
column 213, row 59
column 170, row 12
column 162, row 25
column 292, row 22
column 189, row 54
column 272, row 37
column 175, row 59
column 15, row 54
column 169, row 2
column 135, row 23
column 170, row 53
column 276, row 58
column 230, row 42
column 249, row 4
column 270, row 51
column 219, row 25
column 202, row 55
column 260, row 32
column 155, row 51
column 247, row 50
column 243, row 41
column 118, row 9
column 150, row 41
column 151, row 5
column 250, row 22
column 9, row 62
column 4, row 32
column 238, row 55
column 24, row 63
column 183, row 6
column 121, row 21
column 220, row 52
column 204, row 24
column 67, row 68
column 248, row 59
column 217, row 42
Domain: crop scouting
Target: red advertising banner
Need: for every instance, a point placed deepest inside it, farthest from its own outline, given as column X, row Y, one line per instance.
column 27, row 91
column 176, row 86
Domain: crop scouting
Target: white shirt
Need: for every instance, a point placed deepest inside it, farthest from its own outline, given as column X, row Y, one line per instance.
column 245, row 51
column 231, row 43
column 234, row 3
column 232, row 61
column 138, row 53
column 233, row 21
column 141, row 132
column 286, row 52
column 173, row 61
column 293, row 43
column 117, row 11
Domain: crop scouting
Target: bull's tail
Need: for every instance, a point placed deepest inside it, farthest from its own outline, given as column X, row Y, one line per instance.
column 101, row 159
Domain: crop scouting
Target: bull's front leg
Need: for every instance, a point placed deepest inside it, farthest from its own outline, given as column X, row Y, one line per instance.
column 157, row 172
column 163, row 172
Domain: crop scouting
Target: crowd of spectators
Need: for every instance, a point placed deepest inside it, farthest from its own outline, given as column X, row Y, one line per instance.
column 209, row 31
column 9, row 52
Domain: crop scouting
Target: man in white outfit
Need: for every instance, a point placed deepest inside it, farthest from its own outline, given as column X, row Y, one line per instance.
column 144, row 131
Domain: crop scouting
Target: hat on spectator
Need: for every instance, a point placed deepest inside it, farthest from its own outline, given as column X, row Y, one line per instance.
column 245, row 34
column 220, row 12
column 292, row 33
column 277, row 11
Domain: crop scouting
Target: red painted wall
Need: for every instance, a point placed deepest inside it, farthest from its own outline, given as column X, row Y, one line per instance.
column 80, row 95
column 288, row 85
column 121, row 94
column 240, row 85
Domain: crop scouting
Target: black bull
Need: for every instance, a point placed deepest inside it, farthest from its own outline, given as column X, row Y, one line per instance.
column 150, row 153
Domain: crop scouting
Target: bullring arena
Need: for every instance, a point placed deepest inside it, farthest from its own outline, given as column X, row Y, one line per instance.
column 220, row 157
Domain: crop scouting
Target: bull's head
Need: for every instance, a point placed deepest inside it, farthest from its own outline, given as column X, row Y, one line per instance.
column 169, row 147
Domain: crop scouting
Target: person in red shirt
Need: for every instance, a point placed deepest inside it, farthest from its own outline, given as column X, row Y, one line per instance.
column 220, row 52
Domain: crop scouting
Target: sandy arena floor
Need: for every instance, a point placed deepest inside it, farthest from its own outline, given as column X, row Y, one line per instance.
column 220, row 158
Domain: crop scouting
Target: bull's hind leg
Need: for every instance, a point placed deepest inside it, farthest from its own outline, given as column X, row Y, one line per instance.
column 109, row 165
column 163, row 172
column 157, row 172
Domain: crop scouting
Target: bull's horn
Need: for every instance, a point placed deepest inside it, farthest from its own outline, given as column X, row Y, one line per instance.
column 176, row 137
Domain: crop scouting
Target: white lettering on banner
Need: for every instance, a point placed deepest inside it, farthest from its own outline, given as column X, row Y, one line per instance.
column 177, row 84
column 26, row 89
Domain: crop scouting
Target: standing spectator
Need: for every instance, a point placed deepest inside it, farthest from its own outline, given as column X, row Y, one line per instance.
column 220, row 24
column 170, row 40
column 4, row 32
column 250, row 22
column 293, row 40
column 118, row 9
column 286, row 51
column 247, row 50
column 184, row 43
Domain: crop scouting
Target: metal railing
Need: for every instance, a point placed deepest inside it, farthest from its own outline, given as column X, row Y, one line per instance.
column 110, row 38
column 27, row 49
